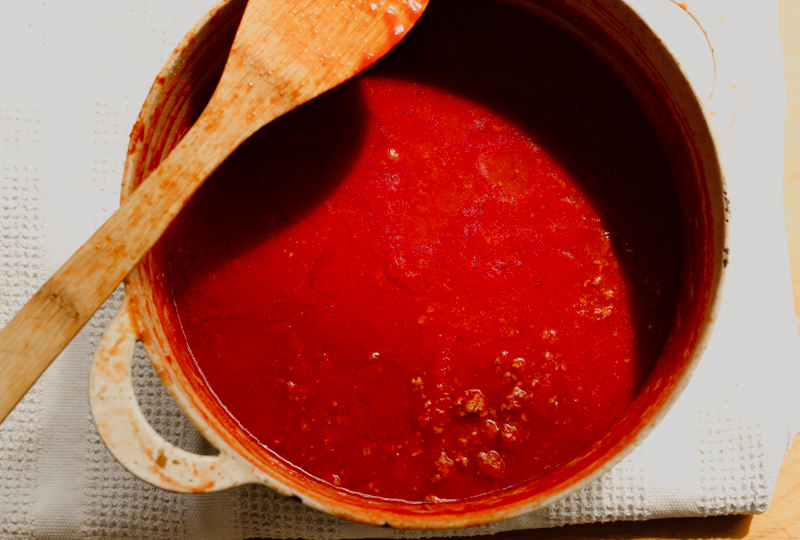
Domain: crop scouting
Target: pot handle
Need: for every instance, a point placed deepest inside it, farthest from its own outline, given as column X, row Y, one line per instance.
column 128, row 435
column 731, row 47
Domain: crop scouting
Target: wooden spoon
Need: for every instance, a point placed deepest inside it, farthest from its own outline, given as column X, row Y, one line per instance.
column 285, row 53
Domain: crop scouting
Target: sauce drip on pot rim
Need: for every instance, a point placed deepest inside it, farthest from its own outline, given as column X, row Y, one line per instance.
column 446, row 277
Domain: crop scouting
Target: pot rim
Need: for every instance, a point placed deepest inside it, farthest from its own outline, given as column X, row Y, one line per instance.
column 136, row 286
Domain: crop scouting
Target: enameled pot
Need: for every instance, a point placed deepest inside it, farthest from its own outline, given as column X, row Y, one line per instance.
column 615, row 33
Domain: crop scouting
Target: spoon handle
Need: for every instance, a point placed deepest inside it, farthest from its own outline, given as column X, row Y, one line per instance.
column 278, row 60
column 60, row 308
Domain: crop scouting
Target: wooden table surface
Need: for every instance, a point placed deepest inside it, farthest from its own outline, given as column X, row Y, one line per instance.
column 782, row 520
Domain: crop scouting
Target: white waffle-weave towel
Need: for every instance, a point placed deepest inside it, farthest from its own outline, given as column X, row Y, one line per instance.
column 73, row 75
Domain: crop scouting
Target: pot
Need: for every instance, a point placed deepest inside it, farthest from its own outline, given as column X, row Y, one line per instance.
column 614, row 32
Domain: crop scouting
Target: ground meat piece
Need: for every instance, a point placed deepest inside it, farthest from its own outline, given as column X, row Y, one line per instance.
column 509, row 435
column 491, row 464
column 490, row 430
column 444, row 464
column 472, row 402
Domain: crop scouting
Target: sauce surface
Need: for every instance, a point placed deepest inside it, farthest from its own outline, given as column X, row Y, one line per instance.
column 446, row 277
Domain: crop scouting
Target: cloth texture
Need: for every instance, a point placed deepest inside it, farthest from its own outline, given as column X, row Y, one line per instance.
column 73, row 76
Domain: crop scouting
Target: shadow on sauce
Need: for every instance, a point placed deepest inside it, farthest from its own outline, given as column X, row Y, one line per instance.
column 275, row 178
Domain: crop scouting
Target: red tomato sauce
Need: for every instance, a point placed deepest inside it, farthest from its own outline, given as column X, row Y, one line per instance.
column 448, row 276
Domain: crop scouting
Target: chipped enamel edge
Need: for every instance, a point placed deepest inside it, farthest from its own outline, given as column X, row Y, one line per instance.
column 129, row 436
